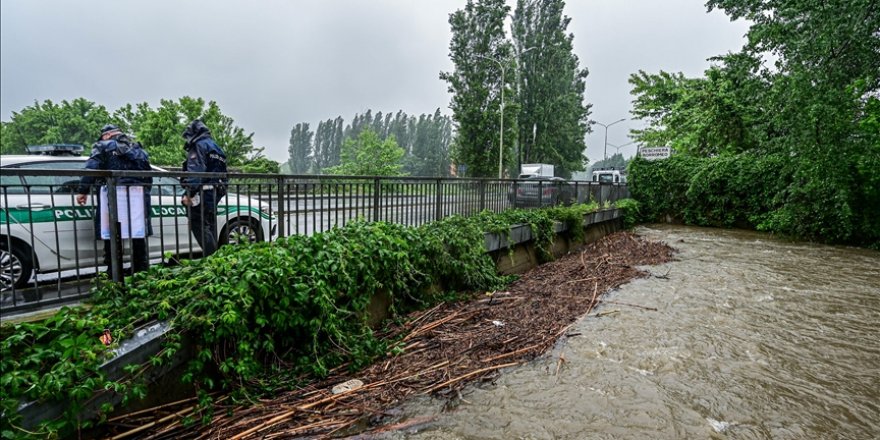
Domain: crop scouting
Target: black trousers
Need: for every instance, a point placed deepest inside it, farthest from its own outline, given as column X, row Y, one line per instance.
column 203, row 222
column 140, row 259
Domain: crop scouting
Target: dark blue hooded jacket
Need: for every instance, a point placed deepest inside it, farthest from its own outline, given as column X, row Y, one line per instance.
column 119, row 154
column 202, row 156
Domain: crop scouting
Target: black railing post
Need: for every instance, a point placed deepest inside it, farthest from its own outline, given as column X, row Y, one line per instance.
column 279, row 213
column 116, row 249
column 438, row 200
column 515, row 192
column 377, row 185
column 541, row 194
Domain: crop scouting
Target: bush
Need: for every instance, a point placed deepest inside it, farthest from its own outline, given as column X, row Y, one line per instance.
column 776, row 193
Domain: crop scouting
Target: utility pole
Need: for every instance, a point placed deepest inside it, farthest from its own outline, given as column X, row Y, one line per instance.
column 501, row 134
column 605, row 152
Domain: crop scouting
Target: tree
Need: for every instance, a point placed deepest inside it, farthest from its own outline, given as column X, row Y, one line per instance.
column 300, row 149
column 160, row 130
column 328, row 143
column 4, row 140
column 369, row 156
column 480, row 53
column 262, row 165
column 553, row 115
column 430, row 149
column 827, row 68
column 813, row 112
column 720, row 113
column 70, row 122
column 425, row 140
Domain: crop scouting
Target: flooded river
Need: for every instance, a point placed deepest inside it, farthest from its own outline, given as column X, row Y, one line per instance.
column 753, row 338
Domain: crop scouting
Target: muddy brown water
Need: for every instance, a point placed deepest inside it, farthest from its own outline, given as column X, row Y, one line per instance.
column 754, row 338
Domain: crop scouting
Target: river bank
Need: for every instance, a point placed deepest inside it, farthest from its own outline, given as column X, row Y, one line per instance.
column 442, row 349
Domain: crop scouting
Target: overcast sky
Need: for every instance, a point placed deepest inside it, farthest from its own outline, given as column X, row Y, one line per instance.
column 270, row 64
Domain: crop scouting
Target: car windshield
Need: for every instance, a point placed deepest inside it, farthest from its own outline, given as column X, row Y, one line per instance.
column 167, row 186
column 606, row 178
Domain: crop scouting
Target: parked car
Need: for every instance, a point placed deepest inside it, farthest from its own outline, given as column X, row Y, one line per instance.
column 539, row 191
column 43, row 230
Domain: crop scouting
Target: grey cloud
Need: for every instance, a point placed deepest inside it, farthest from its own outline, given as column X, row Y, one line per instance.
column 271, row 64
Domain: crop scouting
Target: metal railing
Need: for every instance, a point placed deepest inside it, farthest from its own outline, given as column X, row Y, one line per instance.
column 51, row 250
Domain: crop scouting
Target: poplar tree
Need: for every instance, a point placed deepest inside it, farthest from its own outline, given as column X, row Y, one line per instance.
column 553, row 115
column 480, row 52
column 300, row 149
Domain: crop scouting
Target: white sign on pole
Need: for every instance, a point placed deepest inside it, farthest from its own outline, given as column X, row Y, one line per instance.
column 129, row 209
column 655, row 153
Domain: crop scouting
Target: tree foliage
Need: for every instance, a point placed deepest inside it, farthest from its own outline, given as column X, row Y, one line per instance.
column 158, row 130
column 717, row 114
column 69, row 122
column 300, row 149
column 425, row 141
column 814, row 110
column 368, row 155
column 429, row 148
column 553, row 115
column 481, row 55
column 260, row 165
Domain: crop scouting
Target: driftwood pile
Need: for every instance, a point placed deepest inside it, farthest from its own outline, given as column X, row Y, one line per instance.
column 445, row 348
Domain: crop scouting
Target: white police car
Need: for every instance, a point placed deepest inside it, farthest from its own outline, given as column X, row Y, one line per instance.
column 43, row 230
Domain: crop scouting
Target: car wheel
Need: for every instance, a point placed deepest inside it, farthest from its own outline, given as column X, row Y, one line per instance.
column 16, row 268
column 240, row 230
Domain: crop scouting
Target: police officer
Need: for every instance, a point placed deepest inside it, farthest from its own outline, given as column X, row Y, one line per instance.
column 203, row 193
column 116, row 151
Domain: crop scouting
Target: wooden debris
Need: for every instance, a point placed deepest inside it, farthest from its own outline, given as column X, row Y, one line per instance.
column 444, row 348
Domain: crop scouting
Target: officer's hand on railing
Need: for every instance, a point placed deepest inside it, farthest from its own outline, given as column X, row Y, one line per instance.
column 81, row 198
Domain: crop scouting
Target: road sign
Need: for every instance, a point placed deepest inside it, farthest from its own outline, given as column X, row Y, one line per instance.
column 655, row 153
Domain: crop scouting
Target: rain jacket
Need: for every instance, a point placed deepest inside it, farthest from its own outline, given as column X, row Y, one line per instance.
column 202, row 156
column 117, row 154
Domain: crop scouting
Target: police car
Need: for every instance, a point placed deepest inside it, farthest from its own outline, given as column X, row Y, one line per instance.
column 43, row 230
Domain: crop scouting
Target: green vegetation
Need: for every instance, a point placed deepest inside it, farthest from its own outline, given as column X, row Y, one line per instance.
column 793, row 148
column 750, row 191
column 158, row 130
column 536, row 73
column 631, row 211
column 369, row 156
column 261, row 315
column 425, row 141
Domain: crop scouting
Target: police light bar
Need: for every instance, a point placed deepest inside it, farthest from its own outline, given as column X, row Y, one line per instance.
column 56, row 149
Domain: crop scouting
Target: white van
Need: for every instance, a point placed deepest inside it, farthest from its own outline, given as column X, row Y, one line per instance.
column 608, row 175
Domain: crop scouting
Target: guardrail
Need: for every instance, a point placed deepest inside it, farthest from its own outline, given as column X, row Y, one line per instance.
column 49, row 249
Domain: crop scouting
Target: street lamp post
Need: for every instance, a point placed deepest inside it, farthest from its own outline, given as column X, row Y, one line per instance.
column 501, row 134
column 605, row 152
column 618, row 147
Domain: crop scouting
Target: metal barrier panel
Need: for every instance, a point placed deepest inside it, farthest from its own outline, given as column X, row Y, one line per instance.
column 53, row 248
